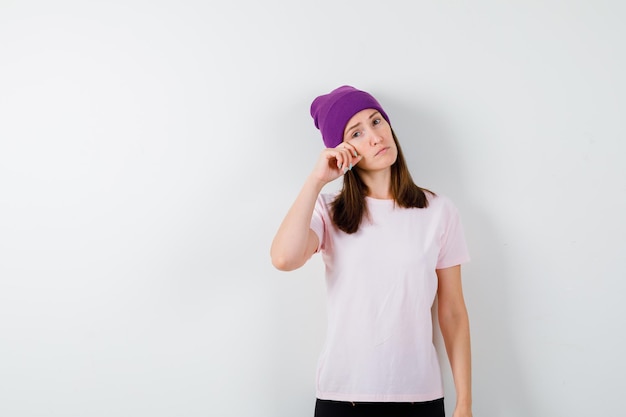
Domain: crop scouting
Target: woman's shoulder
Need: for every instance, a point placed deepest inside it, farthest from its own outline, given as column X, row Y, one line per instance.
column 328, row 197
column 440, row 202
column 325, row 200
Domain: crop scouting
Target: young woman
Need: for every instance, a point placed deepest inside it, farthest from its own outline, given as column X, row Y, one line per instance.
column 389, row 248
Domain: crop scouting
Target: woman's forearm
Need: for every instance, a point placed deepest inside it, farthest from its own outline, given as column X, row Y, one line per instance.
column 456, row 334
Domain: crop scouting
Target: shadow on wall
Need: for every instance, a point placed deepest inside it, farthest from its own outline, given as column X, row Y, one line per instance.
column 499, row 380
column 499, row 387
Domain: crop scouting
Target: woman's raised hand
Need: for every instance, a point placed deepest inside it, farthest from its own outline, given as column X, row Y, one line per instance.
column 295, row 242
column 334, row 162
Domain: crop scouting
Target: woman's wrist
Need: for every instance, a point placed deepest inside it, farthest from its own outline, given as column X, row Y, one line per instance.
column 464, row 402
column 315, row 183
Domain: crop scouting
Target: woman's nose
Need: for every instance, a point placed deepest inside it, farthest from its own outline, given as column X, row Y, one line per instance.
column 374, row 138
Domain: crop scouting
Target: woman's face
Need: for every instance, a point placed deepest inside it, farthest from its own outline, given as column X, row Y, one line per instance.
column 370, row 134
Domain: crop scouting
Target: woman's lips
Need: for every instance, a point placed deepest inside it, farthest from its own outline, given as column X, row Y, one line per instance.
column 382, row 151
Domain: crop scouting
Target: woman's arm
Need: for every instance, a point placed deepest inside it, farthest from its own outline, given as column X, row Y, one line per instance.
column 295, row 242
column 454, row 324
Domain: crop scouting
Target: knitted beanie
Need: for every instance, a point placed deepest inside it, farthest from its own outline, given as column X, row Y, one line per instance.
column 331, row 112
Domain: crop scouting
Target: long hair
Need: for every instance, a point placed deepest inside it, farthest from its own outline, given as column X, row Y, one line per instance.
column 349, row 207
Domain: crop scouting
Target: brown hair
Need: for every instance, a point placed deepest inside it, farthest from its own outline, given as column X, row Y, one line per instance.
column 349, row 207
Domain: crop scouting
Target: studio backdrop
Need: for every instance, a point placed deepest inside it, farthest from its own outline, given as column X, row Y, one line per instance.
column 150, row 149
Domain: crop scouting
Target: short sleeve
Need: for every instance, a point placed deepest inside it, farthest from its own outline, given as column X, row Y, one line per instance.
column 453, row 246
column 318, row 222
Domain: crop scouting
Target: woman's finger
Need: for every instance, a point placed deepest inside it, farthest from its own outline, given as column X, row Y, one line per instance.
column 346, row 159
column 348, row 153
column 350, row 147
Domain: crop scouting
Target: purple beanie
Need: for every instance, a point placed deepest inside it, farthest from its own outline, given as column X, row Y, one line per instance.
column 331, row 112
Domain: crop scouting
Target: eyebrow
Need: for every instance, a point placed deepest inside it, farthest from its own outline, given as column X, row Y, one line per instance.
column 352, row 127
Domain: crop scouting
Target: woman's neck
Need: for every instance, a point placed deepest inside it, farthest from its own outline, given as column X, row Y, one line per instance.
column 378, row 183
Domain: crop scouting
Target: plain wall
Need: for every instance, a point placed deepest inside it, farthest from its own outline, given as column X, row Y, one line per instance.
column 149, row 150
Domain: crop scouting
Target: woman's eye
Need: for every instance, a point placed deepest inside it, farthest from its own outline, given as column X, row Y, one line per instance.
column 356, row 134
column 377, row 121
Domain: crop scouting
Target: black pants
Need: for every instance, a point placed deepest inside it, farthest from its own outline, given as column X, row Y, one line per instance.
column 327, row 408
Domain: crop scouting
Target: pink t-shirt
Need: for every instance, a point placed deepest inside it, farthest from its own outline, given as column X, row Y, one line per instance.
column 381, row 284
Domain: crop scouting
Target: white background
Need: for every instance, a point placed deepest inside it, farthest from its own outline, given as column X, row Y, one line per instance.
column 149, row 150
